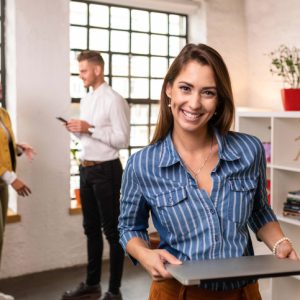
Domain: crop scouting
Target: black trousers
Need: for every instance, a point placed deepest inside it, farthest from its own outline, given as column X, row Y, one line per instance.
column 100, row 199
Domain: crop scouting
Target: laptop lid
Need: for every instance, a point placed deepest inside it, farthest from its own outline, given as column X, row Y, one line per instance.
column 260, row 266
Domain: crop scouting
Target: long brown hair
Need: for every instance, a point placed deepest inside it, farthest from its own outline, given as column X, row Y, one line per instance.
column 205, row 55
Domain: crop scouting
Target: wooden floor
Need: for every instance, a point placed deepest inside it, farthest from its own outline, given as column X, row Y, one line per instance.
column 51, row 284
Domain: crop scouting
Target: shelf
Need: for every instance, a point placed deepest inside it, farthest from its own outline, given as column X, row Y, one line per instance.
column 286, row 166
column 288, row 220
column 261, row 113
column 281, row 129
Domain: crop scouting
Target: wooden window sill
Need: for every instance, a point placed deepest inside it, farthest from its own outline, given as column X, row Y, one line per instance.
column 12, row 217
column 75, row 208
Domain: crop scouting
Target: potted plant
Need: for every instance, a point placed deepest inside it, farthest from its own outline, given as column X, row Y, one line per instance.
column 285, row 63
column 75, row 162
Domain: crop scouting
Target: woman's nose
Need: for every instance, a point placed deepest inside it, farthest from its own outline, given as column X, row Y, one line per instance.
column 195, row 101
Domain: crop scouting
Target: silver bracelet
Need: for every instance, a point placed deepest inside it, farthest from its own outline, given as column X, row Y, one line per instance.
column 274, row 250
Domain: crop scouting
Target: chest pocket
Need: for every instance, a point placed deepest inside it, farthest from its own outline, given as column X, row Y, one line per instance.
column 241, row 199
column 174, row 212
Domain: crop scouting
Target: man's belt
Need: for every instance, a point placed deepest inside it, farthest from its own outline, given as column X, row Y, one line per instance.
column 90, row 163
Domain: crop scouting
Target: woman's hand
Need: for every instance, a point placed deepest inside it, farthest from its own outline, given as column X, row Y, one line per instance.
column 286, row 250
column 21, row 188
column 27, row 150
column 154, row 262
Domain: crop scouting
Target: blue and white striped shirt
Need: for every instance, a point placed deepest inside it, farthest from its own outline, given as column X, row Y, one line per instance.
column 192, row 225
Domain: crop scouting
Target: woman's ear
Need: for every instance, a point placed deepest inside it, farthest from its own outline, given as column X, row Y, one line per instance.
column 169, row 90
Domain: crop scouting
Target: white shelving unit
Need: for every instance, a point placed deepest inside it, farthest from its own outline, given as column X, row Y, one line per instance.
column 280, row 129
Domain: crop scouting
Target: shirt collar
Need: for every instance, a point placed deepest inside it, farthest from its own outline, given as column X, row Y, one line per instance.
column 226, row 151
column 169, row 155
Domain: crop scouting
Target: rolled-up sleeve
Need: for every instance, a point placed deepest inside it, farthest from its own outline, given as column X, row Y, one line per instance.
column 134, row 211
column 262, row 212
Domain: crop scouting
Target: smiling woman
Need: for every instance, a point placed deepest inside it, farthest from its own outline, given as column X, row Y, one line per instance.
column 203, row 184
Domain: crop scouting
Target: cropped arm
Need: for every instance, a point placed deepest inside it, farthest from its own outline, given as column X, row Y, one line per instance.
column 262, row 212
column 116, row 135
column 134, row 212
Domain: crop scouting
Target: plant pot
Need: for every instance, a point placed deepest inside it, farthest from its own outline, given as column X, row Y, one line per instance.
column 77, row 197
column 290, row 99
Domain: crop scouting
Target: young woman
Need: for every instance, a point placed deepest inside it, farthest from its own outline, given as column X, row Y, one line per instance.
column 8, row 152
column 202, row 183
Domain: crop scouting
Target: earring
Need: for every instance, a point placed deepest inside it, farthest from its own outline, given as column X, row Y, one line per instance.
column 215, row 113
column 169, row 105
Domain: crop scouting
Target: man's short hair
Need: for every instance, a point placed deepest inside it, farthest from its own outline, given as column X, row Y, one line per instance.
column 91, row 56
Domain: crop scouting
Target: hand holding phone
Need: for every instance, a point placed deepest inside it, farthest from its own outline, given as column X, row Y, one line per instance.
column 62, row 120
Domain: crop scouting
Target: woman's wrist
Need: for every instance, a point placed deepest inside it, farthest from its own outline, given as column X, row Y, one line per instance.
column 279, row 242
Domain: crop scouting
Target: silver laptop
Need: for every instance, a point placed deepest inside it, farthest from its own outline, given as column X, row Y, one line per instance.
column 260, row 266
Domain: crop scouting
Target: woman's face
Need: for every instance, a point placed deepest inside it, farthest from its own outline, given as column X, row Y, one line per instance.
column 193, row 97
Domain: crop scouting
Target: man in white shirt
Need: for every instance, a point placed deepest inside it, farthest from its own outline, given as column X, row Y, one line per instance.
column 103, row 129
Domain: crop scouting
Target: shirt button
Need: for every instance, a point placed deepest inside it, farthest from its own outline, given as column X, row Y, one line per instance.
column 216, row 238
column 212, row 211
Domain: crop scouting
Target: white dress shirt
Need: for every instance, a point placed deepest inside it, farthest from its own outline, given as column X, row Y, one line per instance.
column 109, row 113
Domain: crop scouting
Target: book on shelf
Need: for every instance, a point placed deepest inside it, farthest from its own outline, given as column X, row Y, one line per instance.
column 294, row 195
column 291, row 205
column 291, row 210
column 292, row 201
column 291, row 214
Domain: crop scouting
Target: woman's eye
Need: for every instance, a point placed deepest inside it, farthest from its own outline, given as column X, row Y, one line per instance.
column 208, row 94
column 185, row 88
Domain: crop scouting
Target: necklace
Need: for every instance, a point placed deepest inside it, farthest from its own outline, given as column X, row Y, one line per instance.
column 197, row 172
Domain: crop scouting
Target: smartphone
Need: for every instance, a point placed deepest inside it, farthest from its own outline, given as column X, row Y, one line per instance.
column 62, row 120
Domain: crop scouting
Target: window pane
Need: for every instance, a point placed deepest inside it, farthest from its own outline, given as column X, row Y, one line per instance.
column 74, row 182
column 159, row 22
column 73, row 62
column 124, row 155
column 154, row 113
column 120, row 65
column 99, row 39
column 99, row 15
column 139, row 114
column 177, row 25
column 119, row 18
column 75, row 113
column 171, row 61
column 159, row 66
column 159, row 44
column 120, row 85
column 139, row 20
column 139, row 66
column 106, row 63
column 176, row 44
column 139, row 136
column 77, row 89
column 156, row 85
column 139, row 88
column 119, row 41
column 78, row 13
column 152, row 129
column 140, row 43
column 134, row 150
column 78, row 37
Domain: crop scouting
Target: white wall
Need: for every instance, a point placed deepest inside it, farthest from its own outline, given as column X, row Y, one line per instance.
column 226, row 32
column 269, row 24
column 38, row 91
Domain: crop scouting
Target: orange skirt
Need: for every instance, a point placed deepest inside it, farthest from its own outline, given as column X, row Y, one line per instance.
column 171, row 289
